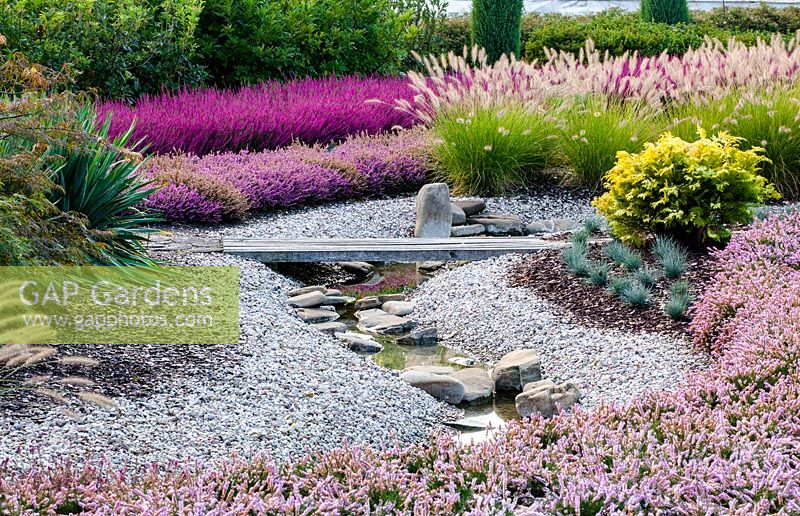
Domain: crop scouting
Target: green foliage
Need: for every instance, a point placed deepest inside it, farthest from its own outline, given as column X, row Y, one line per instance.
column 623, row 255
column 121, row 48
column 680, row 298
column 497, row 27
column 671, row 255
column 593, row 131
column 665, row 11
column 102, row 184
column 635, row 294
column 785, row 20
column 489, row 151
column 619, row 284
column 245, row 41
column 598, row 274
column 646, row 276
column 576, row 259
column 425, row 26
column 691, row 191
column 618, row 32
column 593, row 224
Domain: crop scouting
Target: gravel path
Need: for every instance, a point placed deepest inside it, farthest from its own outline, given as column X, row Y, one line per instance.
column 475, row 310
column 286, row 389
column 388, row 218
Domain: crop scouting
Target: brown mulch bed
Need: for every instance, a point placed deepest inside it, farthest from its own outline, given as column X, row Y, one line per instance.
column 546, row 275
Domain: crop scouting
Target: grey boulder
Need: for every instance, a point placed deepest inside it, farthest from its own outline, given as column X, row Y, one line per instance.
column 398, row 307
column 472, row 207
column 306, row 290
column 546, row 398
column 308, row 300
column 478, row 385
column 385, row 324
column 366, row 303
column 330, row 327
column 459, row 217
column 316, row 315
column 434, row 216
column 468, row 230
column 498, row 224
column 441, row 387
column 421, row 337
column 359, row 343
column 516, row 369
column 538, row 227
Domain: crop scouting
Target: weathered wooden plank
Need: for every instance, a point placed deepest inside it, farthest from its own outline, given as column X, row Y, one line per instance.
column 397, row 250
column 184, row 244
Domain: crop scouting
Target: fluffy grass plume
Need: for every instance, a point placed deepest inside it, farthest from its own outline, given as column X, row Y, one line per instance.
column 489, row 151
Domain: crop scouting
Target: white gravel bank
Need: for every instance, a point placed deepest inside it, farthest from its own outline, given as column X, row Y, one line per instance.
column 475, row 310
column 295, row 390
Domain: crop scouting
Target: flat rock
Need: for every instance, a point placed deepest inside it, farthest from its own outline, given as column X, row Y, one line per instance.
column 421, row 337
column 430, row 266
column 546, row 398
column 441, row 387
column 385, row 324
column 459, row 217
column 433, row 369
column 497, row 224
column 468, row 230
column 307, row 300
column 468, row 423
column 333, row 292
column 359, row 343
column 398, row 307
column 478, row 385
column 392, row 297
column 316, row 315
column 338, row 300
column 434, row 216
column 471, row 207
column 358, row 268
column 552, row 226
column 366, row 303
column 330, row 327
column 462, row 361
column 306, row 290
column 517, row 369
column 362, row 314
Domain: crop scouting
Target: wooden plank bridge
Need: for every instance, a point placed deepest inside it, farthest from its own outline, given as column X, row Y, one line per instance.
column 363, row 250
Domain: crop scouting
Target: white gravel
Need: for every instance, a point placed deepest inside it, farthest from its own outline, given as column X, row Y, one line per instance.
column 387, row 218
column 296, row 390
column 475, row 310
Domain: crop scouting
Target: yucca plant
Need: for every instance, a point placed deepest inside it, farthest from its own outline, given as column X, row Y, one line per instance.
column 103, row 184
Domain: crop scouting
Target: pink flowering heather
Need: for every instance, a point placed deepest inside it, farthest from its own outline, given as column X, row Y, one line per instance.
column 266, row 116
column 726, row 443
column 225, row 186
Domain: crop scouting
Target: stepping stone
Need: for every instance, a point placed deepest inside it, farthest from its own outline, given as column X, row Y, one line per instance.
column 516, row 369
column 392, row 297
column 422, row 337
column 468, row 424
column 398, row 307
column 333, row 292
column 372, row 312
column 316, row 315
column 339, row 300
column 498, row 224
column 308, row 300
column 366, row 303
column 439, row 386
column 434, row 216
column 459, row 217
column 433, row 369
column 306, row 290
column 331, row 327
column 478, row 385
column 469, row 230
column 358, row 268
column 546, row 398
column 385, row 324
column 359, row 343
column 471, row 208
column 462, row 361
column 430, row 266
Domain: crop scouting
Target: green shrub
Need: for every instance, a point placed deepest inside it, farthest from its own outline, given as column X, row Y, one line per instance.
column 489, row 151
column 618, row 32
column 691, row 191
column 246, row 41
column 121, row 48
column 785, row 20
column 102, row 183
column 635, row 294
column 593, row 131
column 425, row 26
column 497, row 27
column 665, row 11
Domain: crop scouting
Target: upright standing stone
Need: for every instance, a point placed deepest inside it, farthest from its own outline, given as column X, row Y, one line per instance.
column 434, row 215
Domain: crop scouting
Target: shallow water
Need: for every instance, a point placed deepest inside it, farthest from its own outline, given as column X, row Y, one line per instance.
column 480, row 420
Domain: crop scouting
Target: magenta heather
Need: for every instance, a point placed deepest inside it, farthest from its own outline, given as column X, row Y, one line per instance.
column 359, row 167
column 726, row 443
column 266, row 116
